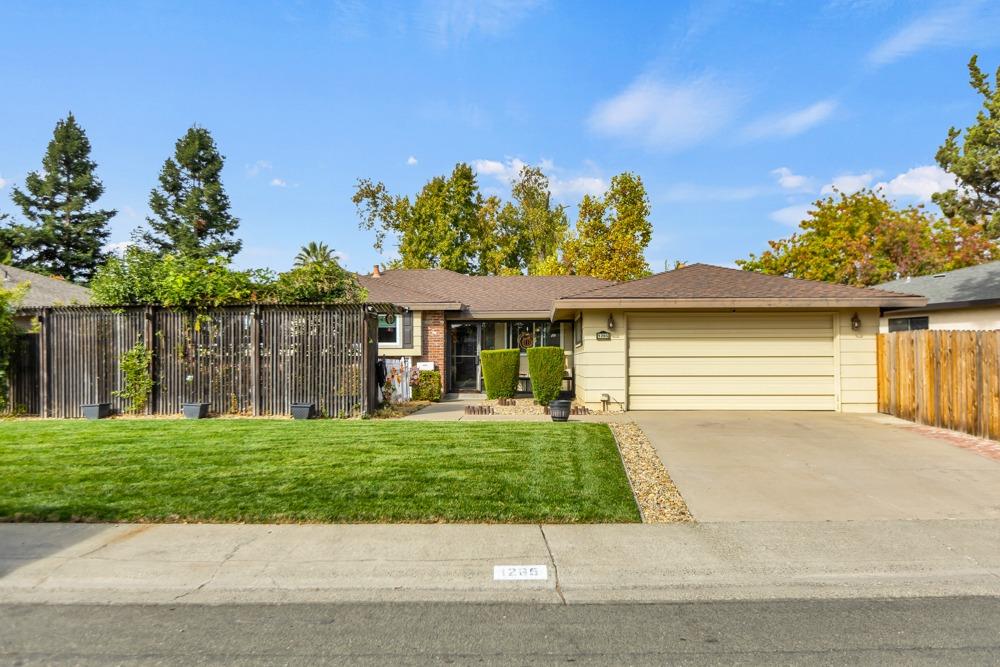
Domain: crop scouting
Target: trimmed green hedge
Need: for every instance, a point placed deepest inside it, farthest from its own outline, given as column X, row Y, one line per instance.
column 545, row 367
column 428, row 387
column 500, row 371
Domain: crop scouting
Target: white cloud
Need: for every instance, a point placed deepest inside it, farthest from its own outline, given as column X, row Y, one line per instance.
column 849, row 183
column 789, row 180
column 117, row 249
column 3, row 182
column 279, row 183
column 962, row 24
column 791, row 123
column 411, row 161
column 561, row 185
column 450, row 21
column 791, row 215
column 919, row 182
column 257, row 167
column 664, row 115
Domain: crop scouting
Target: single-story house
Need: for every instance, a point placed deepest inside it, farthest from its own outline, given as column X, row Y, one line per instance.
column 43, row 292
column 965, row 299
column 695, row 338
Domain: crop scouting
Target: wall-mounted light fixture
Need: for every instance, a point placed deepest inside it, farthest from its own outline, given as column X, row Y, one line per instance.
column 855, row 322
column 611, row 322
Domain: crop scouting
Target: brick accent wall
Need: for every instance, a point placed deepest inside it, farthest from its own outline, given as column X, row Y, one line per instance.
column 432, row 327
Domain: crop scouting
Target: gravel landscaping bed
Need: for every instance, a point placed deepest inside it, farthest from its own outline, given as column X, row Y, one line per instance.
column 658, row 498
column 523, row 406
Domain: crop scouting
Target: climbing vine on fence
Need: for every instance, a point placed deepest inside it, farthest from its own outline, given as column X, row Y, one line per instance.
column 138, row 382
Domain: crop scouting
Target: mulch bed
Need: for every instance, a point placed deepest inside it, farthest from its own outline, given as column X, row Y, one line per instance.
column 658, row 498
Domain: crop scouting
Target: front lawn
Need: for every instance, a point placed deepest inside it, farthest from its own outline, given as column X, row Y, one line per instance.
column 312, row 471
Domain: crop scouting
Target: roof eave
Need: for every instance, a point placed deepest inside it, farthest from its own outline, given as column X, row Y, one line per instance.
column 888, row 301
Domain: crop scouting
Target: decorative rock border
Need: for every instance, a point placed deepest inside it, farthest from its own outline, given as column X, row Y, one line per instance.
column 658, row 499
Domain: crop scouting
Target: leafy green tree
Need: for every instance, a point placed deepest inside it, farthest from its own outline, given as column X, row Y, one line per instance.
column 9, row 241
column 141, row 277
column 9, row 300
column 313, row 253
column 190, row 206
column 611, row 236
column 318, row 282
column 860, row 239
column 65, row 234
column 438, row 229
column 975, row 163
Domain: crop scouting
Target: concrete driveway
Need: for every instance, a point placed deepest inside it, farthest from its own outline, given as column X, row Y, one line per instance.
column 813, row 466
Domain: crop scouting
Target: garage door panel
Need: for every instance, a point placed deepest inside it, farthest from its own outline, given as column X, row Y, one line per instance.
column 728, row 321
column 732, row 366
column 722, row 385
column 746, row 347
column 732, row 403
column 731, row 361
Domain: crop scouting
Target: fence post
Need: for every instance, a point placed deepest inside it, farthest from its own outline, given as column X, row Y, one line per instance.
column 255, row 358
column 149, row 341
column 43, row 362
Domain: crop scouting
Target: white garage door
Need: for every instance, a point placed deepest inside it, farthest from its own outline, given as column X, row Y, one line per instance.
column 731, row 361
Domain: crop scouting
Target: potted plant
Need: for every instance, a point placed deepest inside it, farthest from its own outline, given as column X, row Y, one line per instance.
column 559, row 410
column 193, row 410
column 303, row 410
column 96, row 410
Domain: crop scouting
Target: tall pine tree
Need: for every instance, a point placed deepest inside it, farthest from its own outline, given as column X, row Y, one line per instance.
column 64, row 235
column 190, row 206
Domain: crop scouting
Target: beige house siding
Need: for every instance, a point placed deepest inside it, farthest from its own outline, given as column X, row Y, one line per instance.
column 416, row 350
column 815, row 361
column 600, row 364
column 958, row 319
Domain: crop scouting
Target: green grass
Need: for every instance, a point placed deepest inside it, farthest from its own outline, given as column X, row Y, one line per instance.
column 311, row 471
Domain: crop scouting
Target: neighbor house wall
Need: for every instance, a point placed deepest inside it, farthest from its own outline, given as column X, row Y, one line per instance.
column 958, row 319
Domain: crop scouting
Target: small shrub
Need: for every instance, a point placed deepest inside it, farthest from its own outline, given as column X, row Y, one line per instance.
column 500, row 372
column 137, row 381
column 428, row 386
column 545, row 367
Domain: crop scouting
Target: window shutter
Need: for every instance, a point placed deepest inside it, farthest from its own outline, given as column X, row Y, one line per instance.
column 407, row 329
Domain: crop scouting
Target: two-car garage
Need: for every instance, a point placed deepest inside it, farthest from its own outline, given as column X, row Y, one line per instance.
column 712, row 338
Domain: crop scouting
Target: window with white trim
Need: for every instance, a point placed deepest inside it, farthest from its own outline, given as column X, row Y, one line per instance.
column 389, row 331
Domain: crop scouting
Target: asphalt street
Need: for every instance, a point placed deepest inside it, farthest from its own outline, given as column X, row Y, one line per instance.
column 951, row 631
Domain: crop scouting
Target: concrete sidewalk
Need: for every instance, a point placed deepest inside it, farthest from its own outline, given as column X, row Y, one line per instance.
column 87, row 563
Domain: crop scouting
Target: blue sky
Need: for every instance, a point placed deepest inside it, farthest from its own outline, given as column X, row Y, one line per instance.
column 735, row 114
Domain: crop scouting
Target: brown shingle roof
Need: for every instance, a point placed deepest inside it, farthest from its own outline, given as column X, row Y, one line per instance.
column 705, row 282
column 43, row 291
column 478, row 294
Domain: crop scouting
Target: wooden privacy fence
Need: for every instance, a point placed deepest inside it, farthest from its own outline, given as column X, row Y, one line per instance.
column 949, row 379
column 252, row 360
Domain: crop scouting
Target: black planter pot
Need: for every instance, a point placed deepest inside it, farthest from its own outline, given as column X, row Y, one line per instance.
column 303, row 410
column 559, row 410
column 194, row 410
column 96, row 410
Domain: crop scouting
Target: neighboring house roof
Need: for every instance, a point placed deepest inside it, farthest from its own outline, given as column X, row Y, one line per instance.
column 972, row 286
column 707, row 286
column 44, row 291
column 475, row 295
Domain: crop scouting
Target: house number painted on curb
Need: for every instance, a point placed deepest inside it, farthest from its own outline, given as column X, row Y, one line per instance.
column 520, row 572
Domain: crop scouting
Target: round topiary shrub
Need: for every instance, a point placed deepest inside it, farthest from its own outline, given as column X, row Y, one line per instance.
column 500, row 372
column 546, row 366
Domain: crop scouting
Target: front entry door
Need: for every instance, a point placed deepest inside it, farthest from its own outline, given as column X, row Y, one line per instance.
column 464, row 366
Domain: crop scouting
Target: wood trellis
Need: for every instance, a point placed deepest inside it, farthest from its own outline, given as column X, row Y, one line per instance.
column 949, row 379
column 250, row 360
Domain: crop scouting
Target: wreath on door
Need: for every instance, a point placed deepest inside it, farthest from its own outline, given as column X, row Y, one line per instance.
column 525, row 340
